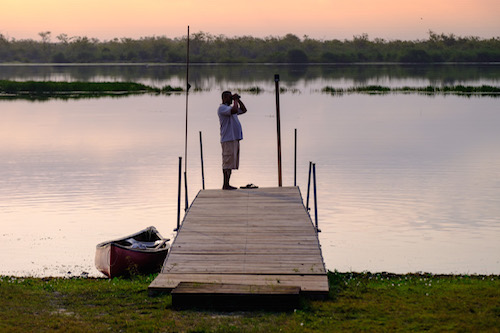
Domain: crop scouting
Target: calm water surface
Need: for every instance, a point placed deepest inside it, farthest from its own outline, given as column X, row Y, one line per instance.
column 406, row 182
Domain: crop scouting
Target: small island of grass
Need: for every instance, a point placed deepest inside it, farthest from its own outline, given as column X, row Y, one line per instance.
column 483, row 90
column 56, row 89
column 40, row 90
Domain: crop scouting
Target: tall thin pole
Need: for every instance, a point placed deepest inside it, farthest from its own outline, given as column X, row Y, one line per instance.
column 202, row 171
column 185, row 192
column 295, row 161
column 179, row 195
column 315, row 199
column 308, row 186
column 186, row 137
column 278, row 126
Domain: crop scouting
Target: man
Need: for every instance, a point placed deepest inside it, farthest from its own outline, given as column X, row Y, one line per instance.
column 230, row 134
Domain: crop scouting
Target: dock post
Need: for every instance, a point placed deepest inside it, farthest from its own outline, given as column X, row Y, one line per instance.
column 202, row 171
column 308, row 186
column 295, row 161
column 278, row 126
column 179, row 195
column 315, row 199
column 186, row 191
column 186, row 138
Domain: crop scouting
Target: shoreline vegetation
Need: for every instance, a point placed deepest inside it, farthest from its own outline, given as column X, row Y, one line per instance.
column 208, row 48
column 484, row 90
column 357, row 302
column 68, row 90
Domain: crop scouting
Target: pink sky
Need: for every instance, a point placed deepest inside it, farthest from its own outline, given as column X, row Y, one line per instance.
column 320, row 19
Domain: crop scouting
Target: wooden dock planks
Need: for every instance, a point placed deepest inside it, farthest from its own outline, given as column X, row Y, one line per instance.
column 249, row 237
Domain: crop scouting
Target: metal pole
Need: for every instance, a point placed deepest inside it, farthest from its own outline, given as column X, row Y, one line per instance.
column 295, row 161
column 179, row 195
column 278, row 126
column 185, row 191
column 315, row 199
column 202, row 171
column 308, row 186
column 185, row 140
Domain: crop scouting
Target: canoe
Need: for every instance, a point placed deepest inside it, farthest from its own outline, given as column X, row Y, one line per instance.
column 141, row 253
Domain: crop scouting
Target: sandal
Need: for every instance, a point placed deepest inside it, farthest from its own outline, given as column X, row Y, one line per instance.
column 249, row 186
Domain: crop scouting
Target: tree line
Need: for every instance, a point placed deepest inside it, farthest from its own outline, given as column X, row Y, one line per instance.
column 208, row 48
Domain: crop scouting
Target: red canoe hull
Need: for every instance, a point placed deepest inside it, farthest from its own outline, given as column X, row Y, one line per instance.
column 114, row 259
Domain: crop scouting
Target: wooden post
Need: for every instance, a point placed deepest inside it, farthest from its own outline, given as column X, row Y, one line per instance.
column 179, row 196
column 185, row 141
column 315, row 199
column 202, row 171
column 186, row 191
column 295, row 161
column 308, row 186
column 278, row 127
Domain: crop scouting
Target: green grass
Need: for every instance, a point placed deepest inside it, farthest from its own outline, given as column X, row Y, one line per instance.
column 357, row 302
column 42, row 90
column 483, row 90
column 56, row 89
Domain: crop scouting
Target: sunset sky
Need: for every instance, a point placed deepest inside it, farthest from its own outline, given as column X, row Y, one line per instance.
column 319, row 19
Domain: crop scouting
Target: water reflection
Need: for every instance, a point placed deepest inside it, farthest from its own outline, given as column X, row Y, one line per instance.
column 406, row 182
column 209, row 76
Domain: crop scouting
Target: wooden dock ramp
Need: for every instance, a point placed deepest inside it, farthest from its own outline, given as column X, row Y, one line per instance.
column 246, row 237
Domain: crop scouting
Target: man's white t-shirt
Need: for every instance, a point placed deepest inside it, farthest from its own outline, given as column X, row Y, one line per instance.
column 230, row 127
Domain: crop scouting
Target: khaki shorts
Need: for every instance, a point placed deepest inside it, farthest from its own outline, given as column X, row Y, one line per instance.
column 230, row 154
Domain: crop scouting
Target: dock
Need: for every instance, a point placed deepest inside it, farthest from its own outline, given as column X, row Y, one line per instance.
column 257, row 239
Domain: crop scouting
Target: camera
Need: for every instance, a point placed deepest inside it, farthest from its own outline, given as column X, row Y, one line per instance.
column 235, row 96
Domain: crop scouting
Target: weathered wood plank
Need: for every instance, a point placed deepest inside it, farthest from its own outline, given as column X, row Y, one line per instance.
column 264, row 269
column 246, row 237
column 307, row 283
column 227, row 288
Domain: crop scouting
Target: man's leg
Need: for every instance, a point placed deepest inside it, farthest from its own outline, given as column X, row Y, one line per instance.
column 227, row 176
column 229, row 154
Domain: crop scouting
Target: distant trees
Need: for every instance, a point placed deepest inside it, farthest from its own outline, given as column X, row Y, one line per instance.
column 207, row 48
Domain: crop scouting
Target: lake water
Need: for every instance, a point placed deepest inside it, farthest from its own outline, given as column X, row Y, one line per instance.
column 406, row 182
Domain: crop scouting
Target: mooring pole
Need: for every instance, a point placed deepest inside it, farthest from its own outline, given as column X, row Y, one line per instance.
column 179, row 196
column 315, row 199
column 186, row 191
column 202, row 171
column 186, row 137
column 295, row 161
column 308, row 186
column 278, row 126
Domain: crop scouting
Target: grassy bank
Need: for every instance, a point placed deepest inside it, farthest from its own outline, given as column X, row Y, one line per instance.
column 483, row 90
column 66, row 90
column 51, row 89
column 46, row 89
column 368, row 302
